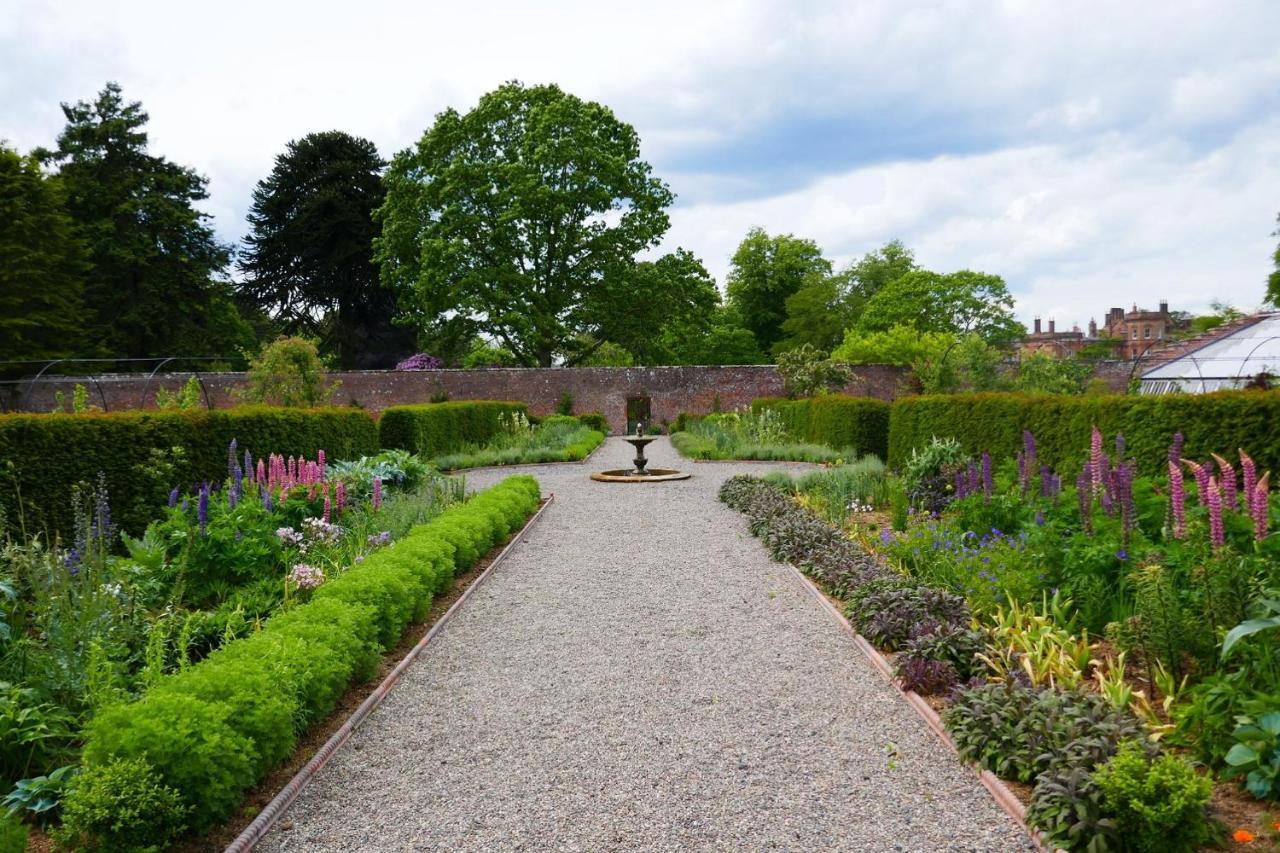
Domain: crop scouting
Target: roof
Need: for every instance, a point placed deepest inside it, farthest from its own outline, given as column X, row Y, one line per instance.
column 1226, row 357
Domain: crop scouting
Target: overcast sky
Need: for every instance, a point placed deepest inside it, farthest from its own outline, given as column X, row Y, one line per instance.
column 1092, row 154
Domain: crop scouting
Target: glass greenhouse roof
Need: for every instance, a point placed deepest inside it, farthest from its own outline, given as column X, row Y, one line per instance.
column 1228, row 362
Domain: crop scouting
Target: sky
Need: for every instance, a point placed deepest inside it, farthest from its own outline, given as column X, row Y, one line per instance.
column 1090, row 153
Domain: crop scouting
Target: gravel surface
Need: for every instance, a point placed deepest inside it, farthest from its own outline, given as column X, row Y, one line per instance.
column 638, row 674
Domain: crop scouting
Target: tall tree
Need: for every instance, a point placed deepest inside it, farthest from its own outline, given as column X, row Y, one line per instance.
column 819, row 312
column 43, row 264
column 764, row 273
column 158, row 283
column 1273, row 281
column 960, row 303
column 665, row 301
column 519, row 219
column 308, row 258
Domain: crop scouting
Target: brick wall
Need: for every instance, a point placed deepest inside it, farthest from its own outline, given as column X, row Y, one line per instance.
column 671, row 390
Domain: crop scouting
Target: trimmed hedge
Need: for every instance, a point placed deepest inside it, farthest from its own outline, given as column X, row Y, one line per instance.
column 1210, row 423
column 51, row 453
column 213, row 730
column 836, row 420
column 432, row 429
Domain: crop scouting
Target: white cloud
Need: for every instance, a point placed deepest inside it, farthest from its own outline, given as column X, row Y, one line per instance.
column 1089, row 152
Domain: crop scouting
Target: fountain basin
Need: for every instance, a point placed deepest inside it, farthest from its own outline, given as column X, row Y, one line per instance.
column 627, row 475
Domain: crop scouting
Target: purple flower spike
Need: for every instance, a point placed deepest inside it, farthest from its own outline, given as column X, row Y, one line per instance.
column 1177, row 500
column 1227, row 477
column 1216, row 534
column 1250, row 472
column 1260, row 508
column 173, row 497
column 202, row 508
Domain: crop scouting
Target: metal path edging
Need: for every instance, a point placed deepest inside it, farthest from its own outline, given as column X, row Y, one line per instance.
column 274, row 810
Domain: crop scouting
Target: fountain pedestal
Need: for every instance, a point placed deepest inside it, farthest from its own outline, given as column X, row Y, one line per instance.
column 641, row 473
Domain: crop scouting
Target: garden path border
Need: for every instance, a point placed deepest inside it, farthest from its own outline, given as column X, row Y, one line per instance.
column 462, row 472
column 274, row 810
column 1000, row 792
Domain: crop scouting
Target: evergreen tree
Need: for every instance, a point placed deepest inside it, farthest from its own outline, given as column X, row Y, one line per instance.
column 157, row 284
column 43, row 264
column 308, row 259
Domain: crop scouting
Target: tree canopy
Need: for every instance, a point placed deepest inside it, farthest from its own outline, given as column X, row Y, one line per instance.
column 308, row 258
column 43, row 265
column 521, row 219
column 1273, row 281
column 158, row 284
column 767, row 271
column 959, row 303
column 820, row 311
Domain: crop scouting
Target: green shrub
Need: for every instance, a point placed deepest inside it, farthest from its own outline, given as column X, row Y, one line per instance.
column 215, row 729
column 437, row 428
column 1209, row 423
column 13, row 835
column 50, row 453
column 1157, row 804
column 120, row 806
column 288, row 372
column 595, row 420
column 190, row 743
column 836, row 420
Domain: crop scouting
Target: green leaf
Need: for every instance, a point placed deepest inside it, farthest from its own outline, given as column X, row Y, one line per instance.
column 1271, row 722
column 1245, row 629
column 1241, row 755
column 1258, row 785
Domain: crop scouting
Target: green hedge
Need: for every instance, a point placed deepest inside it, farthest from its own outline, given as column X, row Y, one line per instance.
column 50, row 453
column 835, row 420
column 215, row 729
column 1211, row 423
column 433, row 429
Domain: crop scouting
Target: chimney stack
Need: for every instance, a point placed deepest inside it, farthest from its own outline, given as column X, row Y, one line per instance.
column 1037, row 325
column 1051, row 327
column 1093, row 328
column 1164, row 306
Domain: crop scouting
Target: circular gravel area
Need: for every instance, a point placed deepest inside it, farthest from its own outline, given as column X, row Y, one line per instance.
column 639, row 675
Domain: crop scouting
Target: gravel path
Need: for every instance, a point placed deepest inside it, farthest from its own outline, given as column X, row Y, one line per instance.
column 638, row 675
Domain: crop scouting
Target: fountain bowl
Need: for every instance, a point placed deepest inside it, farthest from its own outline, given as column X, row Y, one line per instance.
column 628, row 475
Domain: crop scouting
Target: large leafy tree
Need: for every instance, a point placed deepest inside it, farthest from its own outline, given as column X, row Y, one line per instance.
column 43, row 265
column 308, row 258
column 520, row 219
column 826, row 305
column 960, row 303
column 764, row 273
column 158, row 284
column 665, row 302
column 1273, row 281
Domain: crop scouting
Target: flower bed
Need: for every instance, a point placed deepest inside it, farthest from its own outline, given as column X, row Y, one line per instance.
column 559, row 438
column 996, row 604
column 748, row 435
column 206, row 734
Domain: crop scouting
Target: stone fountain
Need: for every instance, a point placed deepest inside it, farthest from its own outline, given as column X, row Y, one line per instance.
column 641, row 473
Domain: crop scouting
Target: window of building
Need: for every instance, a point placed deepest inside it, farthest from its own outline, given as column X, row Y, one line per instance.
column 1146, row 331
column 1135, row 334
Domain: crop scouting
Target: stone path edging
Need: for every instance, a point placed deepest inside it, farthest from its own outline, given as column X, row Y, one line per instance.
column 274, row 810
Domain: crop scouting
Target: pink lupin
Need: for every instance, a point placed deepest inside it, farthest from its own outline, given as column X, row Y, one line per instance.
column 341, row 492
column 1227, row 478
column 260, row 475
column 1249, row 470
column 320, row 462
column 1216, row 534
column 1177, row 501
column 327, row 506
column 1202, row 475
column 377, row 492
column 1258, row 507
column 293, row 471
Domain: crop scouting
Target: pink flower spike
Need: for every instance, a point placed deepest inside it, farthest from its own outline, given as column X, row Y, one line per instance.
column 1216, row 534
column 1178, row 501
column 1097, row 466
column 1201, row 473
column 1259, row 507
column 327, row 507
column 261, row 474
column 1227, row 478
column 1250, row 471
column 341, row 492
column 377, row 492
column 320, row 462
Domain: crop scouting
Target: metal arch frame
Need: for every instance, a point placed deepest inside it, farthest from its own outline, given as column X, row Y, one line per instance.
column 1245, row 360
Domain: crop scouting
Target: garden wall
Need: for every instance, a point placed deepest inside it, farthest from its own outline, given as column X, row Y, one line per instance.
column 671, row 390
